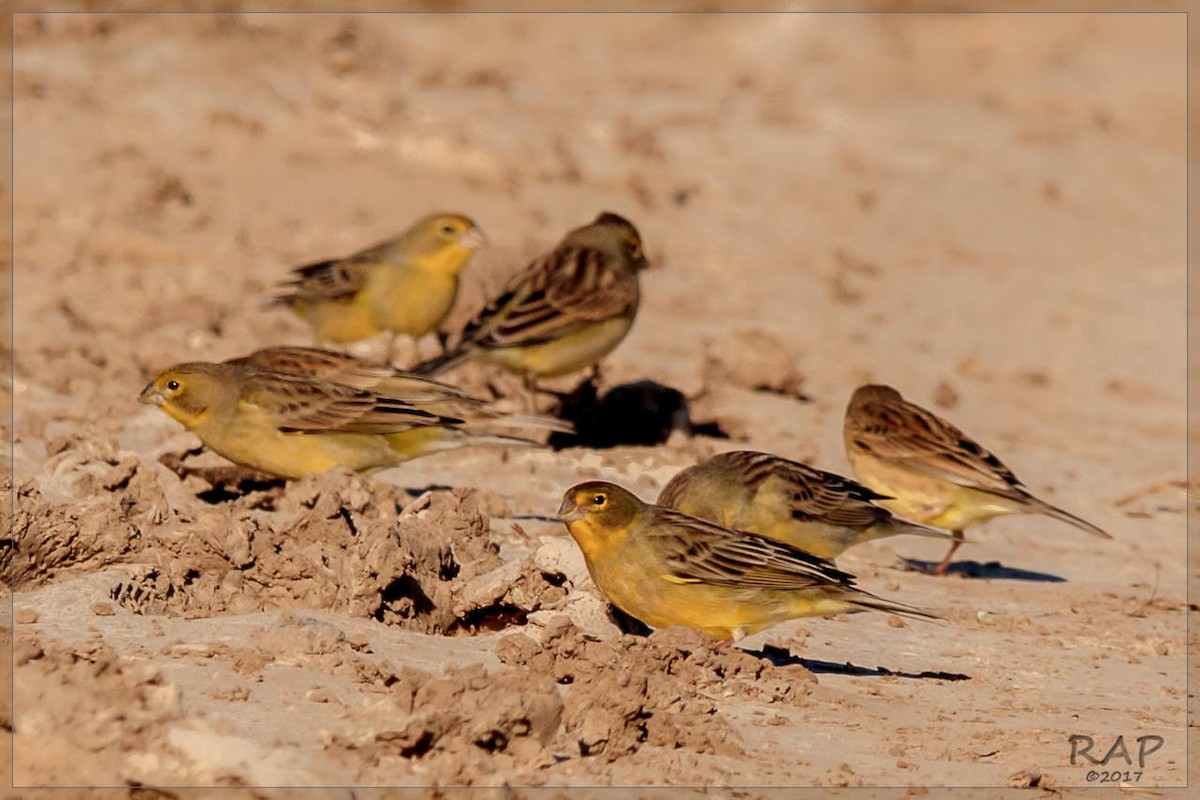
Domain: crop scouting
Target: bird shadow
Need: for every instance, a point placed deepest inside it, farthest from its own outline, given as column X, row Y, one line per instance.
column 782, row 658
column 627, row 624
column 990, row 570
column 642, row 412
column 226, row 482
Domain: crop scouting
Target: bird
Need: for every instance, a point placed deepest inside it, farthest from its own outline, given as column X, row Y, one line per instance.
column 932, row 471
column 562, row 313
column 423, row 393
column 292, row 425
column 406, row 284
column 664, row 568
column 819, row 512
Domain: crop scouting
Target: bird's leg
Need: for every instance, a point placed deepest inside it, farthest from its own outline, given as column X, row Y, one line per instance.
column 403, row 350
column 391, row 349
column 735, row 635
column 942, row 567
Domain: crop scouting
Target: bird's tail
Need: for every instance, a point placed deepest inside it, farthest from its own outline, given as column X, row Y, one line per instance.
column 540, row 421
column 434, row 439
column 1042, row 507
column 865, row 601
column 904, row 526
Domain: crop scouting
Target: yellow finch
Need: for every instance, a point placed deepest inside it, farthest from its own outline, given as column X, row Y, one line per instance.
column 932, row 471
column 406, row 284
column 666, row 568
column 818, row 512
column 423, row 393
column 291, row 425
column 565, row 311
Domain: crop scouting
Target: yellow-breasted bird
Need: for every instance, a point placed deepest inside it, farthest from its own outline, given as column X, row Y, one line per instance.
column 291, row 425
column 423, row 393
column 666, row 568
column 816, row 511
column 406, row 284
column 564, row 312
column 932, row 471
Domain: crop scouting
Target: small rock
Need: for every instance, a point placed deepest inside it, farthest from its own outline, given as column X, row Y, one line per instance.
column 944, row 396
column 320, row 695
column 1025, row 779
column 358, row 641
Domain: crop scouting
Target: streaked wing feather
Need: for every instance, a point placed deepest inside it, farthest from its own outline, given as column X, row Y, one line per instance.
column 296, row 403
column 355, row 372
column 337, row 278
column 562, row 292
column 812, row 495
column 926, row 444
column 707, row 553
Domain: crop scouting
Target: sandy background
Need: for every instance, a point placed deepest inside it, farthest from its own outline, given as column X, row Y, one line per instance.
column 985, row 211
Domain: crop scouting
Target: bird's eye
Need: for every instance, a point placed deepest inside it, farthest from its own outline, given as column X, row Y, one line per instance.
column 173, row 385
column 599, row 500
column 448, row 229
column 635, row 249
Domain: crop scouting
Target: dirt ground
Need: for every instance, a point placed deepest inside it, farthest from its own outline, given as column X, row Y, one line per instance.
column 986, row 211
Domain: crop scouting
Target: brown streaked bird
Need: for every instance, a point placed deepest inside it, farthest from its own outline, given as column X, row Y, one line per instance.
column 423, row 393
column 666, row 568
column 564, row 312
column 932, row 471
column 816, row 511
column 291, row 426
column 406, row 284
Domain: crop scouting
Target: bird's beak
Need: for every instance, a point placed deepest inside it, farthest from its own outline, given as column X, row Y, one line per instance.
column 150, row 395
column 569, row 511
column 472, row 239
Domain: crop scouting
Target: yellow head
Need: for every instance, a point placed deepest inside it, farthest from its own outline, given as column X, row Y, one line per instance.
column 443, row 242
column 190, row 392
column 599, row 515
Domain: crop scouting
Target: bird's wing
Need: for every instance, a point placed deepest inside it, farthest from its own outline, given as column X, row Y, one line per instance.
column 558, row 294
column 343, row 368
column 818, row 496
column 296, row 403
column 701, row 552
column 908, row 435
column 337, row 278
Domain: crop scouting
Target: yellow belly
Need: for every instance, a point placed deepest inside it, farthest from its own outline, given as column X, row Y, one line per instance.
column 340, row 321
column 824, row 541
column 411, row 302
column 407, row 301
column 719, row 612
column 566, row 355
column 929, row 500
column 294, row 455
